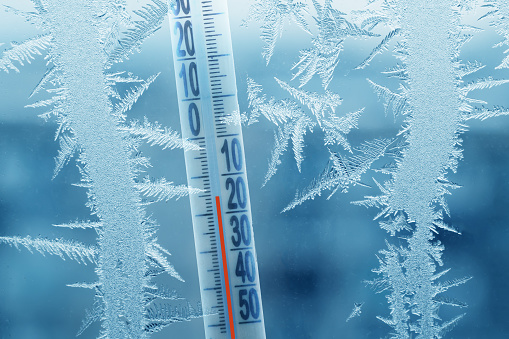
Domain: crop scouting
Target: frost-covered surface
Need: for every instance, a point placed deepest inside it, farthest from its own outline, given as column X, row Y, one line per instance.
column 83, row 40
column 312, row 258
column 273, row 14
column 293, row 120
column 432, row 137
column 121, row 269
column 342, row 173
column 323, row 57
column 434, row 102
column 307, row 110
column 498, row 13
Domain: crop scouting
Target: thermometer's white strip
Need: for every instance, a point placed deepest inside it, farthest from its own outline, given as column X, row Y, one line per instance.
column 207, row 93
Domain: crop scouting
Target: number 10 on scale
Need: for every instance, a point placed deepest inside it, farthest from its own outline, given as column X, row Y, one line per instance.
column 221, row 213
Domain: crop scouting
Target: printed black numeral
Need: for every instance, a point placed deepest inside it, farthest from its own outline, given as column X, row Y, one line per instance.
column 240, row 188
column 245, row 267
column 185, row 35
column 241, row 229
column 251, row 304
column 193, row 78
column 236, row 154
column 194, row 119
column 234, row 221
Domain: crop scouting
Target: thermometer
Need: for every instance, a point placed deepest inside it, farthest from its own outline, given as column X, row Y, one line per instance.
column 221, row 213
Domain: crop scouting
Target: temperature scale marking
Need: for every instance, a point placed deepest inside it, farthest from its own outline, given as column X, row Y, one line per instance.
column 207, row 93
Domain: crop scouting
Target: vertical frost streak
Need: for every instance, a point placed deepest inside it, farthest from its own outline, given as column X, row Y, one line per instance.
column 434, row 98
column 428, row 28
column 121, row 266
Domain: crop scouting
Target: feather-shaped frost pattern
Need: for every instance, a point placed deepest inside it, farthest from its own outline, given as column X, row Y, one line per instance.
column 276, row 111
column 68, row 146
column 60, row 247
column 235, row 118
column 272, row 14
column 485, row 113
column 498, row 12
column 162, row 293
column 120, row 77
column 369, row 18
column 396, row 102
column 323, row 58
column 336, row 128
column 32, row 17
column 83, row 40
column 296, row 121
column 281, row 138
column 287, row 113
column 483, row 84
column 356, row 312
column 152, row 16
column 92, row 316
column 162, row 190
column 23, row 52
column 81, row 224
column 48, row 102
column 155, row 135
column 156, row 254
column 90, row 286
column 395, row 225
column 379, row 48
column 441, row 224
column 318, row 104
column 47, row 77
column 299, row 130
column 342, row 172
column 399, row 71
column 132, row 96
column 161, row 315
column 469, row 68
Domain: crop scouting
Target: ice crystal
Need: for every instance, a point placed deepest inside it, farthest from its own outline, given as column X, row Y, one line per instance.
column 152, row 16
column 294, row 118
column 60, row 247
column 23, row 52
column 356, row 312
column 162, row 315
column 156, row 135
column 435, row 102
column 83, row 39
column 293, row 121
column 272, row 14
column 342, row 172
column 323, row 57
column 162, row 190
column 498, row 12
column 283, row 112
column 235, row 118
column 379, row 48
column 127, row 102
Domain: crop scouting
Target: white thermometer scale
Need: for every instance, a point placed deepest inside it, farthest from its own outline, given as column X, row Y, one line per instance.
column 223, row 234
